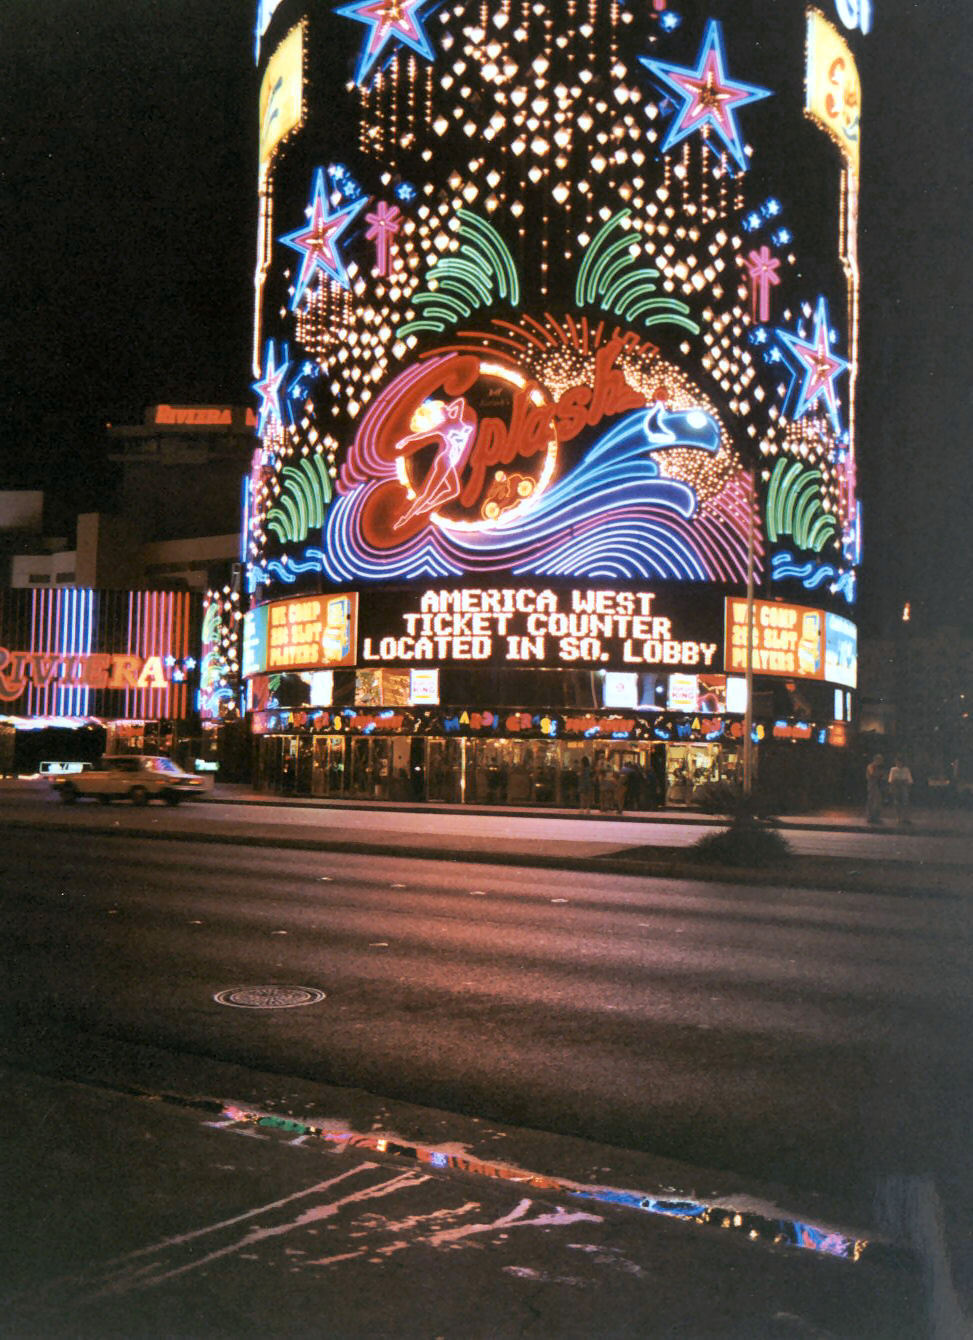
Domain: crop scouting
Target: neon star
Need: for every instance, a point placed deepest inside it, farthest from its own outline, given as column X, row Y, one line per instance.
column 817, row 364
column 762, row 268
column 387, row 21
column 318, row 241
column 710, row 99
column 268, row 389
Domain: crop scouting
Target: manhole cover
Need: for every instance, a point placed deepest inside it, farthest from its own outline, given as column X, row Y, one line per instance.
column 269, row 997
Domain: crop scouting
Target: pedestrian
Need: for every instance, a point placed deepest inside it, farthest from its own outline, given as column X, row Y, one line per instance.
column 586, row 786
column 874, row 776
column 900, row 785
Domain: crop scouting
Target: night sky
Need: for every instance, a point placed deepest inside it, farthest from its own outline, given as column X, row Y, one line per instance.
column 128, row 169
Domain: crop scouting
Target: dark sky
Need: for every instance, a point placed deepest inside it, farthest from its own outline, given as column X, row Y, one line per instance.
column 127, row 162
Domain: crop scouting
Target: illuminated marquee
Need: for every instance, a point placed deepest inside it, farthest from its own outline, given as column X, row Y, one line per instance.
column 204, row 416
column 530, row 626
column 75, row 652
column 78, row 670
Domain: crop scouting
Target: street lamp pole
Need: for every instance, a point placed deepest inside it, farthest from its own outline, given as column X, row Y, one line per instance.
column 748, row 710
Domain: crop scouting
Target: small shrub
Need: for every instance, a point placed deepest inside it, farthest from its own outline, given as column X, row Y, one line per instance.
column 743, row 844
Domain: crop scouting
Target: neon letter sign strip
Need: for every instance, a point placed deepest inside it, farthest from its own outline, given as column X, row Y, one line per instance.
column 710, row 100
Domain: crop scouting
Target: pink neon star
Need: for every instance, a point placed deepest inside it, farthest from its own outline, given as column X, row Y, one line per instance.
column 711, row 99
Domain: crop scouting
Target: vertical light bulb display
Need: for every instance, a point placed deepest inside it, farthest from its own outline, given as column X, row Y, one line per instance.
column 542, row 289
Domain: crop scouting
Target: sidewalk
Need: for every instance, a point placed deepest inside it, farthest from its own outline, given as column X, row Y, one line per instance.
column 199, row 1221
column 930, row 821
column 836, row 850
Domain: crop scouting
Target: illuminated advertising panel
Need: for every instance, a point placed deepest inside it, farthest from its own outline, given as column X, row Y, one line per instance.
column 307, row 633
column 281, row 94
column 833, row 93
column 620, row 689
column 787, row 639
column 841, row 651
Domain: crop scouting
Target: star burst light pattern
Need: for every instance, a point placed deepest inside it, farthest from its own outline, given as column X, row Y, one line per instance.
column 317, row 242
column 269, row 417
column 817, row 365
column 710, row 99
column 387, row 21
column 762, row 268
column 384, row 223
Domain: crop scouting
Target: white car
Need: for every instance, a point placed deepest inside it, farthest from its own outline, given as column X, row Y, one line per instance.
column 134, row 777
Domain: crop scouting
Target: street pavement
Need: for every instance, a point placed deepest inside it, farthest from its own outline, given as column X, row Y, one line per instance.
column 143, row 1217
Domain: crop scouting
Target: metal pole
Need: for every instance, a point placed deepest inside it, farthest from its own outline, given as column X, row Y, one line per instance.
column 748, row 711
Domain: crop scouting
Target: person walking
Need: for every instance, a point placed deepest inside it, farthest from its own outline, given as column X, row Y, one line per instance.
column 586, row 785
column 874, row 776
column 900, row 786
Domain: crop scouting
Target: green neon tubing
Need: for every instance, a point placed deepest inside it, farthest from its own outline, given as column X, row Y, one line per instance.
column 591, row 252
column 495, row 247
column 633, row 283
column 596, row 283
column 470, row 273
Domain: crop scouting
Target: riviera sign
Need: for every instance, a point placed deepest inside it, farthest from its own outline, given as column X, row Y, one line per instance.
column 76, row 670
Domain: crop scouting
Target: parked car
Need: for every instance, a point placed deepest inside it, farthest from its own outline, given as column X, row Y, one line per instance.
column 134, row 777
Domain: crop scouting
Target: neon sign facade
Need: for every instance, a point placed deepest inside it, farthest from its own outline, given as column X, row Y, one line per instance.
column 550, row 295
column 75, row 652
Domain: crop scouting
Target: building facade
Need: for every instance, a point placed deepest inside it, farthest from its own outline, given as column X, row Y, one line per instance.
column 555, row 353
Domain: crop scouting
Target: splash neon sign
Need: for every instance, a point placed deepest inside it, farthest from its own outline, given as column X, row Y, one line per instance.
column 435, row 437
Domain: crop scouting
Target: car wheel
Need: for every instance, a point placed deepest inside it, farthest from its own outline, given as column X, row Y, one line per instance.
column 139, row 795
column 104, row 799
column 172, row 797
column 69, row 793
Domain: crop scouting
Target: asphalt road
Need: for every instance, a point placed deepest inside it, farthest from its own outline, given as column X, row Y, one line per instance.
column 820, row 1041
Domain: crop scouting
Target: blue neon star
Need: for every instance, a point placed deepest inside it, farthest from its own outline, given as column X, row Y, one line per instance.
column 710, row 99
column 318, row 240
column 268, row 388
column 817, row 366
column 387, row 21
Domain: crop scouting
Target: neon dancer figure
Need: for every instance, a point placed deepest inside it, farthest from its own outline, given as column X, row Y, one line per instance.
column 453, row 426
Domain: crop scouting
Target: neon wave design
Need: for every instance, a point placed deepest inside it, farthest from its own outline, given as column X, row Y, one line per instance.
column 612, row 516
column 813, row 575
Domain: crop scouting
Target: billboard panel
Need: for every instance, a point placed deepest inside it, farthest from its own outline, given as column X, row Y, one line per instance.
column 307, row 633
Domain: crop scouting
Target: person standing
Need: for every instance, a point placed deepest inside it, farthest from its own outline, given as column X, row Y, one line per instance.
column 874, row 776
column 586, row 785
column 900, row 785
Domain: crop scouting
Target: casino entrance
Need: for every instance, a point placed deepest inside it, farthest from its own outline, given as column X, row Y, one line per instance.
column 636, row 776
